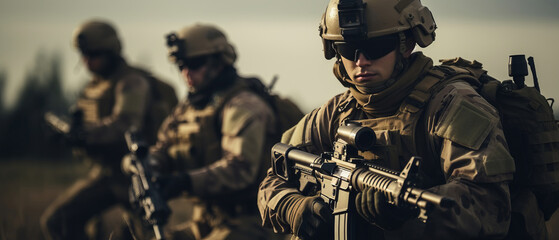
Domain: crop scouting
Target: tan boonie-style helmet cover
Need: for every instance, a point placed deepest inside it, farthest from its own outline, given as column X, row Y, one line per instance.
column 199, row 40
column 347, row 20
column 96, row 35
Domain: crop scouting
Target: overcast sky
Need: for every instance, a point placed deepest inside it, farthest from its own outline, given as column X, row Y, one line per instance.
column 272, row 37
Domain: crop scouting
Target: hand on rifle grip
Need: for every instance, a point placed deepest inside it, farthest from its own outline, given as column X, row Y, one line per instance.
column 374, row 207
column 308, row 217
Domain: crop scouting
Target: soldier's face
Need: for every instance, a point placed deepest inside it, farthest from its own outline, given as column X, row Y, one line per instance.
column 199, row 72
column 194, row 78
column 96, row 63
column 370, row 70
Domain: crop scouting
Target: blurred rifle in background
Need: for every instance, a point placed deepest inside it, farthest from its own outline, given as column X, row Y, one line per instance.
column 71, row 131
column 144, row 192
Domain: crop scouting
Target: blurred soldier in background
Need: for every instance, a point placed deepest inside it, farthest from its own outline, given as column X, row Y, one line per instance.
column 415, row 109
column 215, row 146
column 117, row 98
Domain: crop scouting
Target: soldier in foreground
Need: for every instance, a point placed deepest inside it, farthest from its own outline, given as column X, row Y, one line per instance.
column 213, row 145
column 117, row 98
column 413, row 112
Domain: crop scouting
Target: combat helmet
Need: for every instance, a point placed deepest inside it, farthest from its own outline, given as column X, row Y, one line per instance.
column 199, row 40
column 96, row 36
column 354, row 20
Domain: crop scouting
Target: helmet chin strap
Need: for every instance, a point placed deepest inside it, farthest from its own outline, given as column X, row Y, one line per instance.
column 401, row 62
column 403, row 48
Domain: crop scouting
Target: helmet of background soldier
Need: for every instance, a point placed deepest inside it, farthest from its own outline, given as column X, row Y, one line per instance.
column 96, row 36
column 199, row 40
column 353, row 20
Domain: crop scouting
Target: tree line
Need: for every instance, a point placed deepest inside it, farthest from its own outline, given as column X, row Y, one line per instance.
column 22, row 128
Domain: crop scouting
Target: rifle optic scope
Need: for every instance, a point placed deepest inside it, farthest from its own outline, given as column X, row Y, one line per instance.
column 363, row 138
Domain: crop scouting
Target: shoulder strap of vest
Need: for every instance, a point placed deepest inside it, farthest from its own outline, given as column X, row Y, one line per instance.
column 422, row 91
column 344, row 108
column 450, row 71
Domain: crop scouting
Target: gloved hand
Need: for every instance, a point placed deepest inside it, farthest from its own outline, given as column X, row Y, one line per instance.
column 308, row 217
column 374, row 208
column 126, row 165
column 172, row 186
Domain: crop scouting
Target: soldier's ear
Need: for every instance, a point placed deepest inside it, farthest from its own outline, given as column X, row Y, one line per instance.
column 410, row 45
column 409, row 50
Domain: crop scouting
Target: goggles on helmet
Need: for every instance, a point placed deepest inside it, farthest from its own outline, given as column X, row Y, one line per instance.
column 373, row 48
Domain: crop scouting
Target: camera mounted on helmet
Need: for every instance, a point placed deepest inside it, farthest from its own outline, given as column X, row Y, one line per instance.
column 351, row 20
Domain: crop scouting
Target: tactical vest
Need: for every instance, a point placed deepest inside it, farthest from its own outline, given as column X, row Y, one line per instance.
column 97, row 100
column 403, row 134
column 198, row 131
column 197, row 141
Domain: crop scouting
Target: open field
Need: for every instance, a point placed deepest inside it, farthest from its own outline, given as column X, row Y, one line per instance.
column 28, row 186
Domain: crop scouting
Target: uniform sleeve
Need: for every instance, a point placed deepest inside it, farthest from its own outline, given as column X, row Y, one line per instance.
column 312, row 134
column 246, row 122
column 131, row 100
column 476, row 164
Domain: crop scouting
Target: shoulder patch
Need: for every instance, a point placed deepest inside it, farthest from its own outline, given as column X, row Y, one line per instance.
column 465, row 124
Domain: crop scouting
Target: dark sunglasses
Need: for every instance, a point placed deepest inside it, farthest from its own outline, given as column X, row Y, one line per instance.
column 93, row 54
column 194, row 63
column 373, row 48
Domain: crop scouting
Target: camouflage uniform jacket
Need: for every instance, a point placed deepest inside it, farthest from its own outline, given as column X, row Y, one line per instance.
column 221, row 146
column 111, row 106
column 472, row 170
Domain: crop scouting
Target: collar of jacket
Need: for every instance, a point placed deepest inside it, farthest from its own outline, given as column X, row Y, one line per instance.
column 385, row 103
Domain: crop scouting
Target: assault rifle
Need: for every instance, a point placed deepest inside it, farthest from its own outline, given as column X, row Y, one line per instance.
column 144, row 193
column 339, row 175
column 70, row 130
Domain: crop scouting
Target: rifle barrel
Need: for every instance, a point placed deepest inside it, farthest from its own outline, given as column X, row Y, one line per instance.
column 57, row 123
